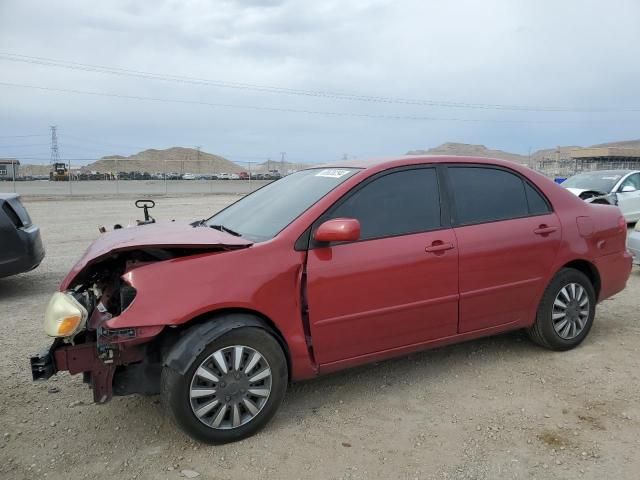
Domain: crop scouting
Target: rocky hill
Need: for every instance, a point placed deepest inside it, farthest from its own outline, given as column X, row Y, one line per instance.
column 175, row 159
column 560, row 152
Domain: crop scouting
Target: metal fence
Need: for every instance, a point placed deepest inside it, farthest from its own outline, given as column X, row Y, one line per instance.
column 567, row 167
column 174, row 177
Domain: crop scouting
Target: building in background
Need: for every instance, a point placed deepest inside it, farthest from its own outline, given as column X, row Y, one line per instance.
column 564, row 162
column 9, row 168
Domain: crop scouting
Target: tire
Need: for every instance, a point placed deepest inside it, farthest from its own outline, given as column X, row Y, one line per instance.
column 184, row 395
column 549, row 331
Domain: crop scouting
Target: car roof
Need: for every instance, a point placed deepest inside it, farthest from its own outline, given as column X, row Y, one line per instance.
column 382, row 163
column 8, row 196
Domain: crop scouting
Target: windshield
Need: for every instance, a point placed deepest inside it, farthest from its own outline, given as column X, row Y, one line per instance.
column 263, row 214
column 598, row 181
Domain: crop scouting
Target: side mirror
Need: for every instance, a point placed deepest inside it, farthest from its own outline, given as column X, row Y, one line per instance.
column 628, row 188
column 338, row 230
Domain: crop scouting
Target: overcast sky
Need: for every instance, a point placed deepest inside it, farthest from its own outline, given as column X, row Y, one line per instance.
column 581, row 56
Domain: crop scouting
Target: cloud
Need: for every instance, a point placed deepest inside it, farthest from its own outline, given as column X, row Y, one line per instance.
column 578, row 54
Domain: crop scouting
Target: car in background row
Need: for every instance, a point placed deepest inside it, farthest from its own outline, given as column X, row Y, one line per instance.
column 325, row 269
column 21, row 247
column 633, row 243
column 615, row 187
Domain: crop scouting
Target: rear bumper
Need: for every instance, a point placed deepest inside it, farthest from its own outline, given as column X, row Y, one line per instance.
column 614, row 270
column 633, row 244
column 29, row 256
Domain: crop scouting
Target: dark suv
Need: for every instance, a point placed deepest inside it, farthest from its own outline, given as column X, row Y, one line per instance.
column 21, row 248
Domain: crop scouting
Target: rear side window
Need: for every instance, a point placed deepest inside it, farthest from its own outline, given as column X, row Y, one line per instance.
column 398, row 203
column 487, row 194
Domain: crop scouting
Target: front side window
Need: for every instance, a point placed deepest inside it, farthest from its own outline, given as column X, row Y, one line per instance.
column 397, row 203
column 489, row 194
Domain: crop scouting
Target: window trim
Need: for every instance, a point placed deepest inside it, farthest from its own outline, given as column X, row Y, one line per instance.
column 306, row 241
column 452, row 201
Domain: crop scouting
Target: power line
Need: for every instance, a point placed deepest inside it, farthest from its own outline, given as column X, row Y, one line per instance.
column 24, row 136
column 293, row 91
column 293, row 110
column 25, row 145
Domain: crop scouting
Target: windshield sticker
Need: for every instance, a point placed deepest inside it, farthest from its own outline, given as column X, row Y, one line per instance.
column 332, row 173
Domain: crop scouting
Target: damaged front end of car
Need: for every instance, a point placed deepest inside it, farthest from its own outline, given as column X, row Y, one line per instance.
column 90, row 318
column 117, row 361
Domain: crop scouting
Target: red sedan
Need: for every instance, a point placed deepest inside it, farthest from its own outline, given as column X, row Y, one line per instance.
column 325, row 269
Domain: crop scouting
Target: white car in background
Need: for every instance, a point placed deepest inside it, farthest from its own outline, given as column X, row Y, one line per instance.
column 617, row 187
column 633, row 244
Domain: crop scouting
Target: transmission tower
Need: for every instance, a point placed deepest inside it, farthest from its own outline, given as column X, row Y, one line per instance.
column 55, row 153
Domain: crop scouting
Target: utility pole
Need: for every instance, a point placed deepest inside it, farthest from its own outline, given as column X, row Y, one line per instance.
column 282, row 155
column 13, row 172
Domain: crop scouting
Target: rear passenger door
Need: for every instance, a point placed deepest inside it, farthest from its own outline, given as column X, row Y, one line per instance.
column 508, row 237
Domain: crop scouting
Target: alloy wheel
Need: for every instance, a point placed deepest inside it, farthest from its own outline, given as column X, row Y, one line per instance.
column 570, row 311
column 230, row 387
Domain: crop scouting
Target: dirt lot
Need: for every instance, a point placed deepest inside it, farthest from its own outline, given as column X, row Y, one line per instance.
column 488, row 409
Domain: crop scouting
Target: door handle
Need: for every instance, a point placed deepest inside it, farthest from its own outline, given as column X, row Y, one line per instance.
column 544, row 230
column 438, row 246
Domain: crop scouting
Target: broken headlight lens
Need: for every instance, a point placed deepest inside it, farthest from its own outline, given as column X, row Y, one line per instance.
column 65, row 316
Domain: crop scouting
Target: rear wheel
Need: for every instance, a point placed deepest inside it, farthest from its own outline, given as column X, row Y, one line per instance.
column 566, row 311
column 231, row 390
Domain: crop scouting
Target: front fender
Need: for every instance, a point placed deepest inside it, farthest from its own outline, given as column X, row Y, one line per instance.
column 195, row 339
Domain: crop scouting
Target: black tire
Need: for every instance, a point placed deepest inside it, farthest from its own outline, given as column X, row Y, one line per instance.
column 543, row 331
column 175, row 387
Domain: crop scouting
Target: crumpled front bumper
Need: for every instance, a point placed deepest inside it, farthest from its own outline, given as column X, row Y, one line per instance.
column 84, row 358
column 101, row 361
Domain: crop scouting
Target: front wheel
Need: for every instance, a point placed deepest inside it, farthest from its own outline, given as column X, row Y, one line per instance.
column 231, row 390
column 566, row 311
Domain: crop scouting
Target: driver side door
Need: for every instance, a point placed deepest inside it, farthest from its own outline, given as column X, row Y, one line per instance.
column 397, row 286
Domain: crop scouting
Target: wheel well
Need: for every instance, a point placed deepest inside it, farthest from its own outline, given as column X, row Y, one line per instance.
column 173, row 334
column 589, row 270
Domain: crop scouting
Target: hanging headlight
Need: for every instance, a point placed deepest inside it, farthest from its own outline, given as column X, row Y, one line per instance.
column 65, row 316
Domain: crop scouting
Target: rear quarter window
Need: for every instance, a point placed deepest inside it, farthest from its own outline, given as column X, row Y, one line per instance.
column 22, row 213
column 11, row 215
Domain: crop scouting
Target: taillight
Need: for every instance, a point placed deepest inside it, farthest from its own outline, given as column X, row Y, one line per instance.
column 622, row 224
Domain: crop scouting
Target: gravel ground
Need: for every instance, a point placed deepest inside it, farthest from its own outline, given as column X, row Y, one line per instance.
column 487, row 409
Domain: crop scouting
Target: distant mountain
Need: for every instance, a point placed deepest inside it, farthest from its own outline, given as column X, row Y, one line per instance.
column 175, row 159
column 451, row 148
column 623, row 144
column 282, row 167
column 560, row 152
